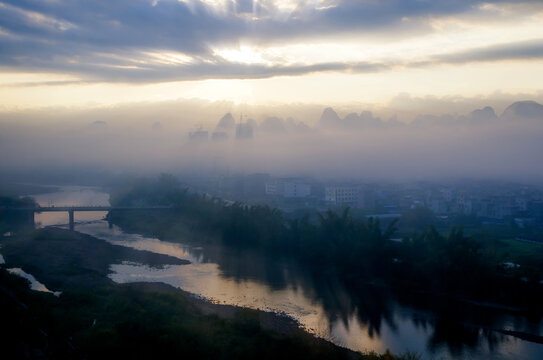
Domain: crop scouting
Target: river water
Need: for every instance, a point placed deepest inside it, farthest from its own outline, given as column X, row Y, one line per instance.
column 368, row 319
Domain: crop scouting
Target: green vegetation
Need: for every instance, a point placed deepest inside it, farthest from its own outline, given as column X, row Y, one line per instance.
column 7, row 201
column 529, row 254
column 10, row 220
column 127, row 322
column 355, row 249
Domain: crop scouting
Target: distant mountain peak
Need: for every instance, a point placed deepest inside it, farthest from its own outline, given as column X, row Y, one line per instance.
column 227, row 122
column 527, row 109
column 273, row 125
column 485, row 114
column 329, row 118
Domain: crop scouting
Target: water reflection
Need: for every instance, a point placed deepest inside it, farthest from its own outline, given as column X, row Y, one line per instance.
column 70, row 196
column 34, row 284
column 365, row 318
column 362, row 318
column 247, row 278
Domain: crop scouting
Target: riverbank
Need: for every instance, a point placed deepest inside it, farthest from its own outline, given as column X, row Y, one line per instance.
column 186, row 230
column 50, row 254
column 101, row 317
column 64, row 259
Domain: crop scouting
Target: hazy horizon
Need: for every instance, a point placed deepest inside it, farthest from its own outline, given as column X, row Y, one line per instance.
column 149, row 138
column 120, row 85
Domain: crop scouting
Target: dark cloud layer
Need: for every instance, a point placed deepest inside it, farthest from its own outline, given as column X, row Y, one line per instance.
column 107, row 40
column 532, row 49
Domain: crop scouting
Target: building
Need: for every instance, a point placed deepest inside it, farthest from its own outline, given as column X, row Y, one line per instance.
column 296, row 189
column 466, row 207
column 447, row 194
column 273, row 188
column 288, row 188
column 254, row 184
column 244, row 131
column 438, row 206
column 522, row 203
column 338, row 195
column 219, row 136
column 198, row 136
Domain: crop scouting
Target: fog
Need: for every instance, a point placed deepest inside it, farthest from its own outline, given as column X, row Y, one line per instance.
column 283, row 140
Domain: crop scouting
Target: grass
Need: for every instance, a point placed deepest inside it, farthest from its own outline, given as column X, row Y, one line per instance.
column 521, row 252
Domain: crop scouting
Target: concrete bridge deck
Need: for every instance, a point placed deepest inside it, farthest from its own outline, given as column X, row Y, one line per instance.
column 72, row 209
column 82, row 208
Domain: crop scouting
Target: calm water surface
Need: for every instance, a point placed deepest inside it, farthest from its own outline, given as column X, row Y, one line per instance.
column 34, row 284
column 367, row 319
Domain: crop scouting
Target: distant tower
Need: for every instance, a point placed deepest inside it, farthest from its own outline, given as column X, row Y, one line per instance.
column 199, row 135
column 243, row 130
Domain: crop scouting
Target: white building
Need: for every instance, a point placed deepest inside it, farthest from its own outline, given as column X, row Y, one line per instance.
column 288, row 189
column 296, row 189
column 341, row 194
column 273, row 188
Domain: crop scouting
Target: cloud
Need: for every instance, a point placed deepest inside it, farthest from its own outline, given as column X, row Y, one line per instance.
column 112, row 40
column 531, row 49
column 139, row 68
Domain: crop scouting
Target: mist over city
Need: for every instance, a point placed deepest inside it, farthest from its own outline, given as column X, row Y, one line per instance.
column 197, row 136
column 264, row 179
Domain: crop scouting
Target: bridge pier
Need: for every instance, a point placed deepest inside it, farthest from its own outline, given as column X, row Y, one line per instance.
column 30, row 218
column 23, row 217
column 71, row 216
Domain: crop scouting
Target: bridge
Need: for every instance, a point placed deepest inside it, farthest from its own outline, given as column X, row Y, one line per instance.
column 72, row 209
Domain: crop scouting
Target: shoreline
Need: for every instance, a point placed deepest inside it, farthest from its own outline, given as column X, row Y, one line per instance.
column 532, row 338
column 269, row 320
column 50, row 253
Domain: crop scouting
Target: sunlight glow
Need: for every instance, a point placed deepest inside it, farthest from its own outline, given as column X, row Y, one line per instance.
column 453, row 36
column 169, row 58
column 243, row 55
column 351, row 66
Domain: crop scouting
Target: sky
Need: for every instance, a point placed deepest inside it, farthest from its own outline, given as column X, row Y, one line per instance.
column 81, row 53
column 420, row 88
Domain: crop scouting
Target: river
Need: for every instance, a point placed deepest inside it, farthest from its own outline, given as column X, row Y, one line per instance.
column 368, row 319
